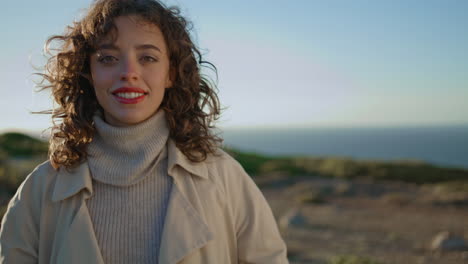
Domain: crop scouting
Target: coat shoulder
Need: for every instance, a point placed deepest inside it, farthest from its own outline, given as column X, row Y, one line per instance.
column 20, row 231
column 226, row 171
column 221, row 164
column 37, row 183
column 42, row 176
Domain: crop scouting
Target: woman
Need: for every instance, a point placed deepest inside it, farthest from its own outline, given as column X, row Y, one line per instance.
column 134, row 173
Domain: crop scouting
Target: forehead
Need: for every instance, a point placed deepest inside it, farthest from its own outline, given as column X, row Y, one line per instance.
column 133, row 29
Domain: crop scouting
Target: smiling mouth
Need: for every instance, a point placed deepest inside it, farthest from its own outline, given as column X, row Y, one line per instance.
column 129, row 95
column 129, row 98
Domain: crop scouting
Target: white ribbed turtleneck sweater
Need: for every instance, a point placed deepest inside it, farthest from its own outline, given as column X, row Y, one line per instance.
column 131, row 189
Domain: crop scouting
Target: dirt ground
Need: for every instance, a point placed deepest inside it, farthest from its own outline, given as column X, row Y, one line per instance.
column 389, row 222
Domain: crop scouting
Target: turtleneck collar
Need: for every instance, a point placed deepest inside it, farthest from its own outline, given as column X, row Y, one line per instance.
column 125, row 155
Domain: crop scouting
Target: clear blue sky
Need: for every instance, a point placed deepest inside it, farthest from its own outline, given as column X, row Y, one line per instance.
column 287, row 63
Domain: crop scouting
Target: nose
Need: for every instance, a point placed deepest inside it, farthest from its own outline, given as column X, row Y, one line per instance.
column 129, row 71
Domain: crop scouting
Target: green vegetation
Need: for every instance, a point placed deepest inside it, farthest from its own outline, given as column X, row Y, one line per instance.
column 352, row 260
column 3, row 209
column 251, row 162
column 9, row 179
column 405, row 171
column 20, row 145
column 20, row 153
column 311, row 198
column 452, row 187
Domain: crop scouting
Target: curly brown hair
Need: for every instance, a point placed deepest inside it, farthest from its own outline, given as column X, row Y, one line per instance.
column 191, row 105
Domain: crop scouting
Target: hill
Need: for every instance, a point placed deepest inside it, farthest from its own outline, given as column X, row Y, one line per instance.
column 15, row 144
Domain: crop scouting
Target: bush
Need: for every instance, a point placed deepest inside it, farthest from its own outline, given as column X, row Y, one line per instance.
column 340, row 167
column 10, row 179
column 20, row 145
column 3, row 209
column 352, row 260
column 452, row 187
column 13, row 173
column 252, row 162
column 311, row 198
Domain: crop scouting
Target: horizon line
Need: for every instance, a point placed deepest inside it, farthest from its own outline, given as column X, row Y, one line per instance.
column 39, row 132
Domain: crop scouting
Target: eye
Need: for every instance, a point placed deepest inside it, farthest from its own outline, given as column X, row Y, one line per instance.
column 106, row 59
column 148, row 58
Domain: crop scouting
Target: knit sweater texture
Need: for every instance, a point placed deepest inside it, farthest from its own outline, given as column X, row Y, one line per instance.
column 131, row 189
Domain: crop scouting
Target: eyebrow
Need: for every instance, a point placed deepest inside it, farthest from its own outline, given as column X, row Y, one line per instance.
column 110, row 46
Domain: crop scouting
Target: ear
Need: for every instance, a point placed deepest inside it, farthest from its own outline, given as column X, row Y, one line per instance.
column 168, row 82
column 170, row 78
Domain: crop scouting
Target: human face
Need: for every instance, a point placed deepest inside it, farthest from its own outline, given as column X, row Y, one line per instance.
column 131, row 74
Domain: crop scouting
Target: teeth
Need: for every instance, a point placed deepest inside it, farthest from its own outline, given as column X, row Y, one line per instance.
column 129, row 95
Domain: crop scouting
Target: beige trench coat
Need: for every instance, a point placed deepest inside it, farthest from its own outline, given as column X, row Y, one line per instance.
column 216, row 214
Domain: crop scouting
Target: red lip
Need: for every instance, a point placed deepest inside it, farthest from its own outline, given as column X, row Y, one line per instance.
column 130, row 100
column 129, row 90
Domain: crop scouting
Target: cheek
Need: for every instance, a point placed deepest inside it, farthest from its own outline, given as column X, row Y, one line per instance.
column 159, row 78
column 102, row 79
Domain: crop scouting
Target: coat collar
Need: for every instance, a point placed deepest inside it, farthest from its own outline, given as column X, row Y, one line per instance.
column 176, row 157
column 72, row 181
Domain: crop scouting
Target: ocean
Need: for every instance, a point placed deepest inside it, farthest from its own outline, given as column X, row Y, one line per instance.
column 439, row 145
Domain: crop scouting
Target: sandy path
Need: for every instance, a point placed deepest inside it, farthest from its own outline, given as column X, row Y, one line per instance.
column 388, row 222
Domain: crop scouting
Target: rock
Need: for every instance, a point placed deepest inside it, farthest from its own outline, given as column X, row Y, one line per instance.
column 293, row 218
column 446, row 241
column 464, row 255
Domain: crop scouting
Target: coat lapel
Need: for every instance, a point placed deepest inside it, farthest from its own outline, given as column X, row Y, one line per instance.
column 184, row 229
column 79, row 244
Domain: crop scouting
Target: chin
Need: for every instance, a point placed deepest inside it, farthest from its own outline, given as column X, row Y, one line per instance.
column 126, row 120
